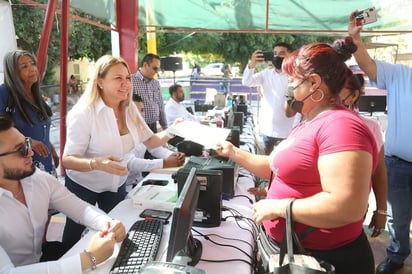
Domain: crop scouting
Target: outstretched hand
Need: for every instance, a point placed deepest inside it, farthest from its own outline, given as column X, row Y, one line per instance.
column 111, row 164
column 225, row 149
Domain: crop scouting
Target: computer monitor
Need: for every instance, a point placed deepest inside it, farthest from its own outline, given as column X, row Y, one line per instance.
column 209, row 206
column 235, row 119
column 372, row 103
column 183, row 248
column 201, row 106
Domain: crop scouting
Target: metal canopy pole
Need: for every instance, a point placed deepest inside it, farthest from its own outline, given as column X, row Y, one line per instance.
column 45, row 37
column 127, row 24
column 64, row 56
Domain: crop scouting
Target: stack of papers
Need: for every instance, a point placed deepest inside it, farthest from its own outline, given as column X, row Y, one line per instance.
column 205, row 135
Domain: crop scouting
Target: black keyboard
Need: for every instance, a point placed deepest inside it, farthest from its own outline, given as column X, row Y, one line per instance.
column 140, row 246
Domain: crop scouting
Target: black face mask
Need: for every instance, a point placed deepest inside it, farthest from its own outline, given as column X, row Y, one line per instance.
column 296, row 105
column 277, row 62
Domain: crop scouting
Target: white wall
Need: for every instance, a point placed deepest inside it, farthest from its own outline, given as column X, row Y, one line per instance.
column 8, row 35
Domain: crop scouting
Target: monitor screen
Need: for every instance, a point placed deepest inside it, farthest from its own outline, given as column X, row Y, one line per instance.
column 372, row 103
column 183, row 248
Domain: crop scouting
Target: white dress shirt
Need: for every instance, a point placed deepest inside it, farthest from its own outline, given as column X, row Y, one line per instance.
column 176, row 110
column 22, row 228
column 92, row 132
column 272, row 119
column 137, row 164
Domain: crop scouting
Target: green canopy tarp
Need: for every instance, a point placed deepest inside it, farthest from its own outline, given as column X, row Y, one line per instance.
column 258, row 15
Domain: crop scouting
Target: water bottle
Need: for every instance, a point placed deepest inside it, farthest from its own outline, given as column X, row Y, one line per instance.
column 229, row 101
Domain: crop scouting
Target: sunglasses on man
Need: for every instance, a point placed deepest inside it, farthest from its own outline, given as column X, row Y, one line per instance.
column 23, row 149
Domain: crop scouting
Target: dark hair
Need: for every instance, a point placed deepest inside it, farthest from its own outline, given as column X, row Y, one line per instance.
column 136, row 98
column 5, row 122
column 344, row 47
column 322, row 59
column 16, row 88
column 173, row 88
column 283, row 44
column 360, row 78
column 148, row 58
column 353, row 83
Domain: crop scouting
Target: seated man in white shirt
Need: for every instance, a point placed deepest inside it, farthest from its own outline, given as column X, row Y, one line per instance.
column 26, row 194
column 174, row 109
column 137, row 164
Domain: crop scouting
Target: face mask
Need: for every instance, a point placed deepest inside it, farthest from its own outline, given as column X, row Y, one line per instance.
column 296, row 105
column 277, row 62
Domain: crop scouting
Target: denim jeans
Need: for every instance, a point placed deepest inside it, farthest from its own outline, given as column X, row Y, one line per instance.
column 399, row 207
column 106, row 201
column 269, row 143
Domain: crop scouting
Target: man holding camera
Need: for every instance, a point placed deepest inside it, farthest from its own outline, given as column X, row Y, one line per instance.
column 273, row 123
column 397, row 80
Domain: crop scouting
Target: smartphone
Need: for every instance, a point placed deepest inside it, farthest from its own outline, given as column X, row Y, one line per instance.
column 155, row 182
column 156, row 214
column 366, row 16
column 268, row 55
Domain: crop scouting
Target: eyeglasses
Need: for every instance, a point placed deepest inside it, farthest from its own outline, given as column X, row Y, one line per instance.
column 23, row 149
column 155, row 68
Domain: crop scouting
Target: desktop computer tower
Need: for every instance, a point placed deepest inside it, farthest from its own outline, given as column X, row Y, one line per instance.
column 234, row 136
column 238, row 120
column 242, row 108
column 234, row 119
column 216, row 162
column 209, row 206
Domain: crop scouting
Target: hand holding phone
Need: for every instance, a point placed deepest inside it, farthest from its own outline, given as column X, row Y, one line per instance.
column 268, row 55
column 366, row 16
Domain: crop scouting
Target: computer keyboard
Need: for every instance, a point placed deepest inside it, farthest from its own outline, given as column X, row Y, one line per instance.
column 140, row 246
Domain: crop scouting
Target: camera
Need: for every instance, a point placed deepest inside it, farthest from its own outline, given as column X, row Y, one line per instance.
column 366, row 16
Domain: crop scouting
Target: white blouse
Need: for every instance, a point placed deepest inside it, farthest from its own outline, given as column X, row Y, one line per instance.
column 92, row 132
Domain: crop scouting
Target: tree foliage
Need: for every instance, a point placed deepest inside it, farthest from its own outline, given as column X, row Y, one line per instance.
column 84, row 40
column 234, row 48
column 92, row 42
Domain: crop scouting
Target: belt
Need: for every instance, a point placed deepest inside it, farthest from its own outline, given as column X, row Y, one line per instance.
column 400, row 159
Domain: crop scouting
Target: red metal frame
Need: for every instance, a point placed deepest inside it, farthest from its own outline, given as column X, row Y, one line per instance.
column 127, row 24
column 64, row 56
column 128, row 28
column 45, row 37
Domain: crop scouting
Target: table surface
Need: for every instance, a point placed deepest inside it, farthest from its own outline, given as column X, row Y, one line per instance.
column 235, row 232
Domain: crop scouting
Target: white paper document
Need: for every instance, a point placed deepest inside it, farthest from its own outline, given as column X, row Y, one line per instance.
column 207, row 136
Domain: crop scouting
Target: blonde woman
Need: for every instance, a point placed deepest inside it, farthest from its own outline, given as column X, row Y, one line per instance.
column 102, row 128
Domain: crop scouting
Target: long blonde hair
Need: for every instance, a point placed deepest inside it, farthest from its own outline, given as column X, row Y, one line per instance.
column 93, row 92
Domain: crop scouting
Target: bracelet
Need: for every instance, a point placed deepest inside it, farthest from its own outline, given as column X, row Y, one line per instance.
column 92, row 259
column 90, row 164
column 381, row 212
